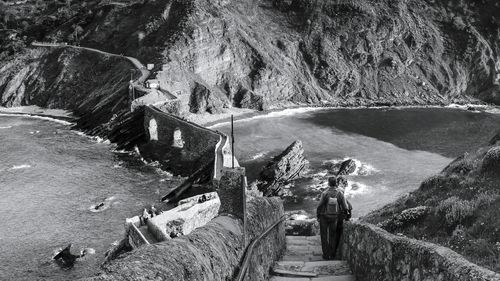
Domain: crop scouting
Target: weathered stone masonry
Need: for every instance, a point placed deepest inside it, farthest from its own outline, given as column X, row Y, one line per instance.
column 376, row 255
column 180, row 146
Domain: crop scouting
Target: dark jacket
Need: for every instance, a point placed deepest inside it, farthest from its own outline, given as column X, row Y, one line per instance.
column 332, row 192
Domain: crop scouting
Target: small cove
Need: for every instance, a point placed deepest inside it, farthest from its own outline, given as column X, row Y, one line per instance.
column 401, row 147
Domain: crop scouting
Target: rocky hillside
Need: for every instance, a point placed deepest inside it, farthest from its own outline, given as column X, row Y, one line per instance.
column 458, row 208
column 272, row 53
column 94, row 86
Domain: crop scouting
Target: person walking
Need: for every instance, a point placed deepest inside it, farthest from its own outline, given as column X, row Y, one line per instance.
column 331, row 206
column 345, row 215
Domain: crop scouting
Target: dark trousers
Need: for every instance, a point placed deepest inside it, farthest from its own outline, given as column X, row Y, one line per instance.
column 330, row 235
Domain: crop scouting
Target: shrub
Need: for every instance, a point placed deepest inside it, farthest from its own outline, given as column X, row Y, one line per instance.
column 455, row 211
column 405, row 218
column 491, row 162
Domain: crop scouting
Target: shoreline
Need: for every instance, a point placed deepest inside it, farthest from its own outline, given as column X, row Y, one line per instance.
column 240, row 114
column 33, row 111
column 292, row 110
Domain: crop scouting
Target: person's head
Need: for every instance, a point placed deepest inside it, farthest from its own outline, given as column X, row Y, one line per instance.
column 332, row 182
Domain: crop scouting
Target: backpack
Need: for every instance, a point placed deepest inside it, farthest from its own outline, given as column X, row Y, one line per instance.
column 332, row 207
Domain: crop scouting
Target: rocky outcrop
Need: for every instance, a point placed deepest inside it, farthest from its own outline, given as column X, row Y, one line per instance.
column 245, row 98
column 491, row 162
column 375, row 255
column 287, row 166
column 203, row 99
column 94, row 86
column 347, row 167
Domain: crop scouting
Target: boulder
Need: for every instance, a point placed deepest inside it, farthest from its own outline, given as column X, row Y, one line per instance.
column 207, row 99
column 245, row 98
column 491, row 162
column 287, row 166
column 347, row 167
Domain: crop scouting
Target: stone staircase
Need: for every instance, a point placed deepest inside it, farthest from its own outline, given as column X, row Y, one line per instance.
column 303, row 261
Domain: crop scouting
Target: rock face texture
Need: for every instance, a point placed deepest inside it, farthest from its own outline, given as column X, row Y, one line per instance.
column 287, row 166
column 212, row 252
column 374, row 254
column 94, row 86
column 347, row 167
column 273, row 53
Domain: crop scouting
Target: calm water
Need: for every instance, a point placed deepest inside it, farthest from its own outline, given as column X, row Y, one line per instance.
column 49, row 178
column 397, row 148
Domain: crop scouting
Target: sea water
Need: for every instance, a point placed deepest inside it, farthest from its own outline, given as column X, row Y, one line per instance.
column 395, row 149
column 50, row 179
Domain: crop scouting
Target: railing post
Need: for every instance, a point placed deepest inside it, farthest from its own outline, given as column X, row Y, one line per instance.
column 231, row 190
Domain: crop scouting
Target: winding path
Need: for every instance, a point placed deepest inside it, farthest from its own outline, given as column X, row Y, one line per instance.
column 221, row 159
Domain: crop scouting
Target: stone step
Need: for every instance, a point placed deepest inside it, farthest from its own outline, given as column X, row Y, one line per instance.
column 321, row 268
column 307, row 238
column 303, row 258
column 324, row 278
column 306, row 247
column 315, row 251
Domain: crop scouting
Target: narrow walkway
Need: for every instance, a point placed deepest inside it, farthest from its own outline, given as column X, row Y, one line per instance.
column 149, row 237
column 303, row 262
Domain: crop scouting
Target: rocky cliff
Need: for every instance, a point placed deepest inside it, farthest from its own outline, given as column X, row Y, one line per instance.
column 274, row 53
column 94, row 86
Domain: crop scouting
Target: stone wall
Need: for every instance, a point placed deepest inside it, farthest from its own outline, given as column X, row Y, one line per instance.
column 272, row 246
column 212, row 252
column 374, row 254
column 192, row 216
column 192, row 148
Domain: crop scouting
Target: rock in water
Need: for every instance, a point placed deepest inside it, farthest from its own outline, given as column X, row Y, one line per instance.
column 347, row 167
column 287, row 166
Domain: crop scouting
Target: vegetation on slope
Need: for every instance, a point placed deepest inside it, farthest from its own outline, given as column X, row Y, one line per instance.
column 269, row 53
column 458, row 208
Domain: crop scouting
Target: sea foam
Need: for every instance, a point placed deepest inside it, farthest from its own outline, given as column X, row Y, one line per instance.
column 362, row 168
column 273, row 114
column 38, row 117
column 24, row 166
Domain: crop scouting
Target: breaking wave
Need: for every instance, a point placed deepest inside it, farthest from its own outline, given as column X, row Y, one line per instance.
column 258, row 155
column 6, row 127
column 362, row 169
column 24, row 166
column 273, row 114
column 38, row 117
column 354, row 188
column 94, row 138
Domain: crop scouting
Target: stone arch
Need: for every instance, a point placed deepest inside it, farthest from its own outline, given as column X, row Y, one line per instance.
column 153, row 129
column 178, row 140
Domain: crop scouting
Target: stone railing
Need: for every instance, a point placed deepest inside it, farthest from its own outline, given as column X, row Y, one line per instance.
column 374, row 254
